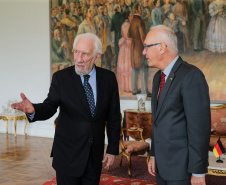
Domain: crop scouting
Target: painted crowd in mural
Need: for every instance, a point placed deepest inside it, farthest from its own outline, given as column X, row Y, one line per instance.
column 122, row 26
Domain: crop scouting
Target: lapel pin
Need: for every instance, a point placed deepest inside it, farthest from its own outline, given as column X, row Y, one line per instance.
column 171, row 78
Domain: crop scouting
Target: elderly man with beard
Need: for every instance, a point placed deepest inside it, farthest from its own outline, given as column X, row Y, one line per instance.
column 88, row 98
column 58, row 47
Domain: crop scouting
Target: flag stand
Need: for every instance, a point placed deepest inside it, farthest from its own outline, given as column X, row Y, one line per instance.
column 219, row 160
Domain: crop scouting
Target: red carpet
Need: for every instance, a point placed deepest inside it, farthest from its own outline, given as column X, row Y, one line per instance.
column 140, row 171
column 108, row 180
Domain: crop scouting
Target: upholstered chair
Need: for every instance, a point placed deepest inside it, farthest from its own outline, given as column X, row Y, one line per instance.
column 218, row 125
column 129, row 148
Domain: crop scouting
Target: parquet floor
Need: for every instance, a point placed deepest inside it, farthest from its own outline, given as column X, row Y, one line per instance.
column 25, row 161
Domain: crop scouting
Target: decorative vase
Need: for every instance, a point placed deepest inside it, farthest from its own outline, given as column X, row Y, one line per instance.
column 141, row 98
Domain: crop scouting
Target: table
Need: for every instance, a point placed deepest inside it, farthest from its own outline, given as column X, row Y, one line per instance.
column 20, row 116
column 215, row 168
column 135, row 118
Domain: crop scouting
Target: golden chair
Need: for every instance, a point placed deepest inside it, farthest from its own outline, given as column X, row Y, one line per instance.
column 133, row 147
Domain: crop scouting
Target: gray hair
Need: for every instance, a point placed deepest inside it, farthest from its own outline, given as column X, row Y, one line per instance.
column 96, row 40
column 167, row 36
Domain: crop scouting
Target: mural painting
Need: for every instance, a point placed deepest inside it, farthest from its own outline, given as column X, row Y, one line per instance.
column 122, row 25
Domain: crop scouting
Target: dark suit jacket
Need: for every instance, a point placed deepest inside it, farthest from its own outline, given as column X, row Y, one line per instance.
column 138, row 33
column 75, row 125
column 181, row 123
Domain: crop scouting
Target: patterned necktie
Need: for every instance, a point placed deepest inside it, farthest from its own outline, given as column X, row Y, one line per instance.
column 89, row 94
column 162, row 83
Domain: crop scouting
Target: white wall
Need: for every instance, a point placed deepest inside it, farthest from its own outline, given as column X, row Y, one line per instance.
column 25, row 57
column 25, row 60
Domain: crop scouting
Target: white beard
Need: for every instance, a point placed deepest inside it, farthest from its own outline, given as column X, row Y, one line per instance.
column 85, row 71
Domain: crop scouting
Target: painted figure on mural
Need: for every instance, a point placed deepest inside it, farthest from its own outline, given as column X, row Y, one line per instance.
column 167, row 8
column 216, row 32
column 60, row 14
column 137, row 32
column 156, row 14
column 76, row 17
column 88, row 25
column 53, row 19
column 180, row 11
column 101, row 27
column 128, row 5
column 110, row 9
column 146, row 14
column 124, row 68
column 116, row 23
column 93, row 8
column 108, row 55
column 58, row 47
column 174, row 23
column 198, row 8
column 71, row 27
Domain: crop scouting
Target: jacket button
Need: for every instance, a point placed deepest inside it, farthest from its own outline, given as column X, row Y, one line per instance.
column 91, row 140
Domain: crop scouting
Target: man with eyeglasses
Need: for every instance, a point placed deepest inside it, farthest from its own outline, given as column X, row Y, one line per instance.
column 181, row 113
column 88, row 98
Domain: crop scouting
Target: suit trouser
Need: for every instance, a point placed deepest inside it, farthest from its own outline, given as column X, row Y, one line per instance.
column 134, row 79
column 198, row 33
column 161, row 181
column 90, row 176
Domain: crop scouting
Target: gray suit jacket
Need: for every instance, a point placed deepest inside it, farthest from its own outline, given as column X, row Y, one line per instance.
column 181, row 123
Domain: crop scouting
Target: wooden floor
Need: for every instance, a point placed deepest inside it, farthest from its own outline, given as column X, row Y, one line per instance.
column 25, row 161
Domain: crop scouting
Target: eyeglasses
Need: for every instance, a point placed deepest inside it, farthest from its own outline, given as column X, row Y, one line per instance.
column 147, row 46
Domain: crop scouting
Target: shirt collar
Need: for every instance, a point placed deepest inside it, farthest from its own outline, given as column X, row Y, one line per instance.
column 92, row 73
column 169, row 67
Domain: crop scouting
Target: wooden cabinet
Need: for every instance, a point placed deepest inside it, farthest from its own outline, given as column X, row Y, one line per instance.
column 135, row 118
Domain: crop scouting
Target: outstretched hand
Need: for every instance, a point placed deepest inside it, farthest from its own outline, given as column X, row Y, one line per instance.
column 25, row 105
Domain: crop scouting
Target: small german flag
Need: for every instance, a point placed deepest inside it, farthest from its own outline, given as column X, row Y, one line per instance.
column 218, row 148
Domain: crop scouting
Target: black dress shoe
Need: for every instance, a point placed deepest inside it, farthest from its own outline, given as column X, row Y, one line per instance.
column 134, row 93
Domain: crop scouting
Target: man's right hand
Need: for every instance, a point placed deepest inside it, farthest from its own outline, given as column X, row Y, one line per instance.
column 151, row 166
column 24, row 106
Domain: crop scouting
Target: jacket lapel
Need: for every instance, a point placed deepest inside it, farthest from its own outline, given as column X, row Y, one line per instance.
column 80, row 90
column 167, row 86
column 100, row 89
column 156, row 83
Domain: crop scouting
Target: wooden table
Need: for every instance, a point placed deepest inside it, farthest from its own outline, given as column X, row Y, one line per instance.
column 215, row 168
column 135, row 118
column 7, row 117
